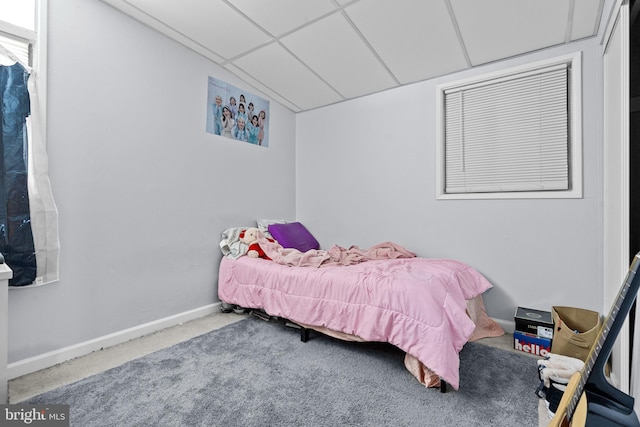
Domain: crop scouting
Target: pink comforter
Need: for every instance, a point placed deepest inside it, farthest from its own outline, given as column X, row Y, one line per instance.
column 416, row 304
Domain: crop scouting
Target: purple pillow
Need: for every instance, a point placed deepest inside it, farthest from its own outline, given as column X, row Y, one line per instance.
column 294, row 235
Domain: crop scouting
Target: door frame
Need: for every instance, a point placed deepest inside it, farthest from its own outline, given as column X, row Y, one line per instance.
column 615, row 69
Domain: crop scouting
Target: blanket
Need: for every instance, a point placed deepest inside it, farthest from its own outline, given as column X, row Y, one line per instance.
column 336, row 255
column 417, row 304
column 230, row 245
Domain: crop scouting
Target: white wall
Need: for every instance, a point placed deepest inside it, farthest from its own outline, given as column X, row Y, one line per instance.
column 143, row 191
column 365, row 174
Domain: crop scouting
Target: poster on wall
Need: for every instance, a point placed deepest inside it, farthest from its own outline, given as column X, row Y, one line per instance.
column 237, row 114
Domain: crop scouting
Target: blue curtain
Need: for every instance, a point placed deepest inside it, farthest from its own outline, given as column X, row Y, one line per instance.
column 16, row 238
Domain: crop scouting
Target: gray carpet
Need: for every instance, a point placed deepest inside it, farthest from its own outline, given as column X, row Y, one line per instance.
column 255, row 373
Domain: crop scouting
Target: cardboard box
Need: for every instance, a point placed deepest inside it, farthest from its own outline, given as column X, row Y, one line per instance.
column 535, row 322
column 530, row 343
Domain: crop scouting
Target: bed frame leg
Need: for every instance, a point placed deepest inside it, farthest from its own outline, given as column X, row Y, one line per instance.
column 443, row 386
column 304, row 334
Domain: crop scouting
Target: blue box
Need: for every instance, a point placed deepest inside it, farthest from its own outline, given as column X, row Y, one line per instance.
column 533, row 344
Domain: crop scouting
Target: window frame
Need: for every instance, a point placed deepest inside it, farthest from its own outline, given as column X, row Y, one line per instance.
column 38, row 38
column 47, row 246
column 574, row 128
column 40, row 68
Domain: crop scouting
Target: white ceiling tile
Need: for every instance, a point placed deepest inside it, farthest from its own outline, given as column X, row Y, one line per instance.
column 307, row 53
column 415, row 38
column 586, row 15
column 336, row 52
column 278, row 70
column 281, row 16
column 211, row 23
column 513, row 27
column 261, row 87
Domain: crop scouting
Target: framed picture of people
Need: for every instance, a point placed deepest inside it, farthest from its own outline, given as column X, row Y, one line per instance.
column 237, row 114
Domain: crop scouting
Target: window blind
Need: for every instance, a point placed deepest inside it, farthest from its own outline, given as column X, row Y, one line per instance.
column 21, row 49
column 509, row 134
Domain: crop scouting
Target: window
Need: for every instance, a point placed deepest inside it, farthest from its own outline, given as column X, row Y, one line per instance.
column 512, row 134
column 23, row 40
column 17, row 28
column 23, row 32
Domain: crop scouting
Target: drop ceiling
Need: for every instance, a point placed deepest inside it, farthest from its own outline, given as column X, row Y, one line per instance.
column 306, row 54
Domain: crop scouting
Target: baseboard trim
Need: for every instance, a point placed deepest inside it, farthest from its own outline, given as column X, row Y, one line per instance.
column 52, row 358
column 507, row 325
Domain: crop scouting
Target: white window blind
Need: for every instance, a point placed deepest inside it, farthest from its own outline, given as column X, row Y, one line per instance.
column 20, row 48
column 509, row 134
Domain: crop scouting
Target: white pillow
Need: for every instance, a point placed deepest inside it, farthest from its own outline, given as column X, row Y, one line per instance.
column 263, row 225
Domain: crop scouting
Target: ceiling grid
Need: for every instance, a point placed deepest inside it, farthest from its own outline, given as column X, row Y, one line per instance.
column 312, row 53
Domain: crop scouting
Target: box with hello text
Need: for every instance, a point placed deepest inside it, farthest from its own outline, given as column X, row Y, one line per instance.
column 529, row 343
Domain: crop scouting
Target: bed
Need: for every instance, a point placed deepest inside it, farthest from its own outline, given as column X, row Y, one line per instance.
column 429, row 308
